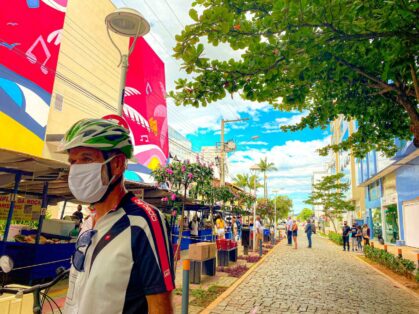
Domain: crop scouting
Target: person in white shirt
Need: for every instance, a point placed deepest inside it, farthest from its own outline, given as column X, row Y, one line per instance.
column 194, row 227
column 289, row 230
column 259, row 232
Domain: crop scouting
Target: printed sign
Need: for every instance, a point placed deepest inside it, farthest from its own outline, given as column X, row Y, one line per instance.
column 145, row 106
column 30, row 37
column 25, row 208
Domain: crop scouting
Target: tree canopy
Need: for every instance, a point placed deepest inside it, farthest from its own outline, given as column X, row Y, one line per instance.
column 330, row 193
column 305, row 214
column 283, row 206
column 355, row 58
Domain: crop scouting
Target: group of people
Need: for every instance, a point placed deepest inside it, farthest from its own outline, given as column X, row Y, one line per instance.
column 356, row 234
column 292, row 232
column 221, row 227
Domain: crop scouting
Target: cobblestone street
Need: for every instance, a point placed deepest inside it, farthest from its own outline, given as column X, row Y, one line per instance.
column 320, row 280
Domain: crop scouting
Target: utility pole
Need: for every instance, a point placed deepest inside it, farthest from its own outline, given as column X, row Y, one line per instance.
column 222, row 148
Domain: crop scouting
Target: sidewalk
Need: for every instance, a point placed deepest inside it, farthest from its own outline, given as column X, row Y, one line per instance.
column 407, row 251
column 221, row 280
column 323, row 279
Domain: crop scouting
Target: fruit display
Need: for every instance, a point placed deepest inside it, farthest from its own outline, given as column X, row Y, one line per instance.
column 31, row 239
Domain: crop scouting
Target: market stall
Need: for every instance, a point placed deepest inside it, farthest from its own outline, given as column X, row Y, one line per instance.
column 28, row 185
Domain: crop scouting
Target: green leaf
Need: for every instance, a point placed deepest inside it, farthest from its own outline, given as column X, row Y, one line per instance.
column 194, row 15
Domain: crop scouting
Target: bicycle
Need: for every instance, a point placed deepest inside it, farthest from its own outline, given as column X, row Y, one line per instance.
column 40, row 291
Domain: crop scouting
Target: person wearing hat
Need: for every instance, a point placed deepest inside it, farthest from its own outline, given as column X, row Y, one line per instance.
column 123, row 261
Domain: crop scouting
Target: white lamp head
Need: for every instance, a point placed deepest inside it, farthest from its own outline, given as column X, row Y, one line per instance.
column 127, row 22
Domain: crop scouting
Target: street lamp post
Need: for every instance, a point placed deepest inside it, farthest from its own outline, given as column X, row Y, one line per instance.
column 254, row 169
column 129, row 23
column 275, row 221
column 222, row 148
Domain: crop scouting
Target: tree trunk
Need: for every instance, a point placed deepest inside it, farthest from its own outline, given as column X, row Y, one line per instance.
column 265, row 187
column 333, row 223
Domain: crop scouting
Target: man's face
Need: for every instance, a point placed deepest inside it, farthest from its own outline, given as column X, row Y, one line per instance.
column 86, row 155
column 345, row 223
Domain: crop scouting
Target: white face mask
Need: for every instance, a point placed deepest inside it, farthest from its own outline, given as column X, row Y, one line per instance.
column 85, row 181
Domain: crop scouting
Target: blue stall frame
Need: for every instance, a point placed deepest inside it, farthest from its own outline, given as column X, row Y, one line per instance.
column 48, row 257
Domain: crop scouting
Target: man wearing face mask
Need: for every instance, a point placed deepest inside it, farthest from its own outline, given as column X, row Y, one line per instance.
column 123, row 261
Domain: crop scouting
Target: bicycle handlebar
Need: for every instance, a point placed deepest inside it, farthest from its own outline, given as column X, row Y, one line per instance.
column 36, row 287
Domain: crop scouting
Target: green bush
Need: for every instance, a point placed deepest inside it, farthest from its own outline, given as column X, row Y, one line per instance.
column 335, row 237
column 399, row 265
column 417, row 275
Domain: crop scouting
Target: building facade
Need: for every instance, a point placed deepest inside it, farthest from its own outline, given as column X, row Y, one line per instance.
column 392, row 194
column 345, row 162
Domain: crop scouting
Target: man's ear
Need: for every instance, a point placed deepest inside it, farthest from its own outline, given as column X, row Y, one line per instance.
column 119, row 163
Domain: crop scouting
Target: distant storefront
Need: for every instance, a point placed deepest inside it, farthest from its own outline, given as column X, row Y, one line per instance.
column 392, row 195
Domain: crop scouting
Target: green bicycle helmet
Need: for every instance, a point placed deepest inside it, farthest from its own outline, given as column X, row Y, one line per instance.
column 105, row 135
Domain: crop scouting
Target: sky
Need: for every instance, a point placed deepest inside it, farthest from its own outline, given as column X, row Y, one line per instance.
column 294, row 154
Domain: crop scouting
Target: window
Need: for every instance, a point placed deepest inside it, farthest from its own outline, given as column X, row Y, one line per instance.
column 371, row 164
column 374, row 191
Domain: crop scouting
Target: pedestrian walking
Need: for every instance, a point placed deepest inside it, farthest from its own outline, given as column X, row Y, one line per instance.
column 294, row 229
column 353, row 237
column 309, row 228
column 345, row 235
column 289, row 230
column 123, row 262
column 359, row 237
column 366, row 234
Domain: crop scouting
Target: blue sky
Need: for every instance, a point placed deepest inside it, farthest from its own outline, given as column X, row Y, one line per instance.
column 294, row 154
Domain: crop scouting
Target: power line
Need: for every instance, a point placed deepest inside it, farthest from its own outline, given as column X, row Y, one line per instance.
column 174, row 13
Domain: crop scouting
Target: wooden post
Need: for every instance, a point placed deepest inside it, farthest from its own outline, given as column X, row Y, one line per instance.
column 372, row 244
column 385, row 247
column 399, row 253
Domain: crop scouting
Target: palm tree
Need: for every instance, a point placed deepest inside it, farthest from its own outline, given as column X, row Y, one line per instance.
column 242, row 180
column 253, row 179
column 266, row 166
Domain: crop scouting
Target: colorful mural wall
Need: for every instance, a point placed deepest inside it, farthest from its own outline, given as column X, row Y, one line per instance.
column 30, row 37
column 145, row 106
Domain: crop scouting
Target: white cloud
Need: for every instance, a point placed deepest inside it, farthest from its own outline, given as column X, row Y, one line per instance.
column 187, row 120
column 253, row 143
column 274, row 127
column 295, row 162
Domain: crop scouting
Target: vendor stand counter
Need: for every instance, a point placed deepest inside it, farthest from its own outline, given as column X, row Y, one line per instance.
column 204, row 235
column 36, row 262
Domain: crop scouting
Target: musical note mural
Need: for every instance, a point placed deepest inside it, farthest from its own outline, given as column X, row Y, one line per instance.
column 30, row 37
column 145, row 106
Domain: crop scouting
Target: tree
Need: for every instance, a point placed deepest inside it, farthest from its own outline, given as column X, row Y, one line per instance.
column 283, row 206
column 354, row 58
column 181, row 176
column 265, row 166
column 254, row 181
column 305, row 214
column 241, row 180
column 330, row 193
column 265, row 209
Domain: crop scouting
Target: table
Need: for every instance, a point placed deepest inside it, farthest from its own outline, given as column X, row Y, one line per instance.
column 205, row 267
column 225, row 256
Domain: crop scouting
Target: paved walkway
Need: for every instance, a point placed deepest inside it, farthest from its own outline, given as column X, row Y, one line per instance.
column 320, row 280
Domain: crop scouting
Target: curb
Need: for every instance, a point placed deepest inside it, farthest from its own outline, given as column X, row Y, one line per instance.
column 393, row 281
column 233, row 287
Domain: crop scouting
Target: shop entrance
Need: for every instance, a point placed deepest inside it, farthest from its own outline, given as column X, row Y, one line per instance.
column 391, row 223
column 377, row 223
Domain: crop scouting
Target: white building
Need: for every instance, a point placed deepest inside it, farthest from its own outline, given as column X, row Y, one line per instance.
column 180, row 148
column 316, row 178
column 211, row 154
